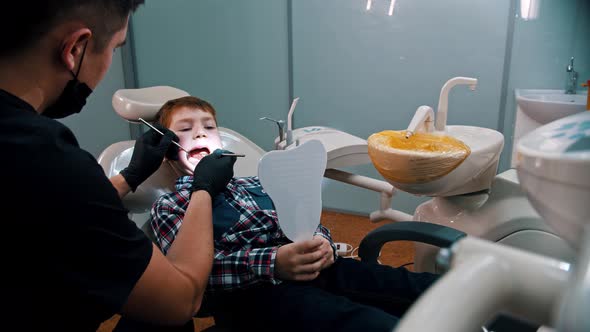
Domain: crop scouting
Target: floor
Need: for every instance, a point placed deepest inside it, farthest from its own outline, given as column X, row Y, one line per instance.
column 345, row 228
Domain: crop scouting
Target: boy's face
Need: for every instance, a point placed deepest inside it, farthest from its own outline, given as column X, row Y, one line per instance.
column 197, row 133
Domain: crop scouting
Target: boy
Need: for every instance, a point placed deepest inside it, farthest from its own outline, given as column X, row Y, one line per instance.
column 260, row 280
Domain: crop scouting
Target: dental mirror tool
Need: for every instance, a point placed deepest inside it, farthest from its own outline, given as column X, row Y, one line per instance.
column 233, row 155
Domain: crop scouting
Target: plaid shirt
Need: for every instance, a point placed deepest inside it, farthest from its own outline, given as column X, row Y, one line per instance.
column 247, row 234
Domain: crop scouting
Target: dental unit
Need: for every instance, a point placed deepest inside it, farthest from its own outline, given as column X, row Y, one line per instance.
column 514, row 244
column 456, row 166
column 552, row 169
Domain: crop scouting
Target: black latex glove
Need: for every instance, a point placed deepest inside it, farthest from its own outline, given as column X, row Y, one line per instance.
column 213, row 172
column 148, row 154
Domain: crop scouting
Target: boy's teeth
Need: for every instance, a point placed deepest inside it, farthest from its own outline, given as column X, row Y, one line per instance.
column 201, row 154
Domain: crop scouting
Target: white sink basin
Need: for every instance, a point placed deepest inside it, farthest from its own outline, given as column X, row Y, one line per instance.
column 545, row 106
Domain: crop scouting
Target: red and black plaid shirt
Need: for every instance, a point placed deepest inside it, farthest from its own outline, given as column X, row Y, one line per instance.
column 247, row 234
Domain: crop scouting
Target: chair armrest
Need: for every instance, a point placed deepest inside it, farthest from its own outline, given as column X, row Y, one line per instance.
column 418, row 231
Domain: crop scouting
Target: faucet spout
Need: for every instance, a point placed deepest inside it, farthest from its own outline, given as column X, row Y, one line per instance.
column 443, row 101
column 281, row 125
column 422, row 121
column 571, row 80
column 290, row 121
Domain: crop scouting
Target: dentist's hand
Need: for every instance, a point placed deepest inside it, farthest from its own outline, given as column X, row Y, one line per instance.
column 301, row 261
column 213, row 172
column 148, row 154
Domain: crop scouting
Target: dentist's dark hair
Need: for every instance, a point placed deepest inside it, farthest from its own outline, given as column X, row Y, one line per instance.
column 24, row 23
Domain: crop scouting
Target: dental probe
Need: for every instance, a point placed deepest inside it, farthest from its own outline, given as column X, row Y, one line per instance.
column 183, row 149
column 161, row 133
column 232, row 155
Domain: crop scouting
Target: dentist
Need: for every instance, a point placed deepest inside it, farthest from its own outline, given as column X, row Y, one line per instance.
column 72, row 258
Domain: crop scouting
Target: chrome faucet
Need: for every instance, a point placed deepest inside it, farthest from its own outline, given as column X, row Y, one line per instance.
column 281, row 125
column 571, row 80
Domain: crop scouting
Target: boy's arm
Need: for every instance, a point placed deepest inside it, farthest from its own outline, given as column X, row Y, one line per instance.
column 239, row 269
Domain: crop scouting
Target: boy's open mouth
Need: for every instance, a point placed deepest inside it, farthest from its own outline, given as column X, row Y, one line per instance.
column 199, row 153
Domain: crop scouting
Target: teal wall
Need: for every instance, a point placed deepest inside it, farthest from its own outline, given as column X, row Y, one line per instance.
column 231, row 53
column 358, row 71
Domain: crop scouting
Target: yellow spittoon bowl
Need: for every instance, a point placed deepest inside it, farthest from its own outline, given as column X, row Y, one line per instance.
column 422, row 158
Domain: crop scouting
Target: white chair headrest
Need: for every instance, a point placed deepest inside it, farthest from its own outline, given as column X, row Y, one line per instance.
column 132, row 104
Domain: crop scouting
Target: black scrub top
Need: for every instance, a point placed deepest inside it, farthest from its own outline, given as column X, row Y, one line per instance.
column 70, row 254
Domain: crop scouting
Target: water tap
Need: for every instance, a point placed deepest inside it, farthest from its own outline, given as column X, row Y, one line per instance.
column 571, row 80
column 443, row 101
column 281, row 125
column 423, row 120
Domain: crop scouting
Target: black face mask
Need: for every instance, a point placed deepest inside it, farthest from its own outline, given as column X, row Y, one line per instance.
column 73, row 97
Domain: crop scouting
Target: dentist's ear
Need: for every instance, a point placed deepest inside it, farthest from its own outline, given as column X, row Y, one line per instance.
column 73, row 46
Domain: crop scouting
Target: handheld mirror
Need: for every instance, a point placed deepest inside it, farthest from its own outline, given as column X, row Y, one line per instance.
column 293, row 180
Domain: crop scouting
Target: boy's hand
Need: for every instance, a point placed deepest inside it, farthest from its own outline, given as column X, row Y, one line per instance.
column 326, row 247
column 301, row 261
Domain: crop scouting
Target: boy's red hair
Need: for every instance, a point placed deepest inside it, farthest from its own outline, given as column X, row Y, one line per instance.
column 164, row 115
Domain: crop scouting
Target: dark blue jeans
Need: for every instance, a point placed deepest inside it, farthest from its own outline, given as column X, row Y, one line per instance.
column 348, row 296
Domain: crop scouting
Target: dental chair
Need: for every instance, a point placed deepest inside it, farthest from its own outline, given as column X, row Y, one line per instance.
column 132, row 104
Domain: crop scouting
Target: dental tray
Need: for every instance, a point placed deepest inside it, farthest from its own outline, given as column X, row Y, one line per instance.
column 343, row 149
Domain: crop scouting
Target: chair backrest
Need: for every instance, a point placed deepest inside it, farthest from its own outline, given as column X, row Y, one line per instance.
column 132, row 104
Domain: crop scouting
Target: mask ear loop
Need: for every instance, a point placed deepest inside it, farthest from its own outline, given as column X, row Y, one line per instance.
column 81, row 61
